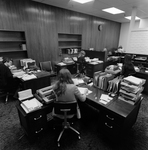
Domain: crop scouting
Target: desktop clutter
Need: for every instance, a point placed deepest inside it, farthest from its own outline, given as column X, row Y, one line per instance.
column 29, row 70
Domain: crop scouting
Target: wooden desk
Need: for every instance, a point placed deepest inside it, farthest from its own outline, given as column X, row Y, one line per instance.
column 114, row 118
column 36, row 122
column 71, row 67
column 42, row 80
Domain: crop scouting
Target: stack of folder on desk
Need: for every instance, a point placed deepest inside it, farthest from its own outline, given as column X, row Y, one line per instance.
column 131, row 88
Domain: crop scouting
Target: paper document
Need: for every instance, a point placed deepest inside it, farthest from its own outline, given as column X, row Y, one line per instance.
column 77, row 81
column 61, row 64
column 31, row 105
column 105, row 99
column 28, row 77
column 22, row 95
column 84, row 91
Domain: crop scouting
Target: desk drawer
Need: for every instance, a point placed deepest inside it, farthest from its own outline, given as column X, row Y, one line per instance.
column 109, row 117
column 37, row 130
column 110, row 128
column 36, row 116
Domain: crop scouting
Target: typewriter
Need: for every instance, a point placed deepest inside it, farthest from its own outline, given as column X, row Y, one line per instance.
column 46, row 95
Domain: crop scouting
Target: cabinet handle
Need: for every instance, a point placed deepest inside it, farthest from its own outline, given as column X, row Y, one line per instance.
column 39, row 131
column 38, row 117
column 109, row 117
column 108, row 126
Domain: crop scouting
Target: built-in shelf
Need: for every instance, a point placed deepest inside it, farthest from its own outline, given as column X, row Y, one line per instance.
column 68, row 41
column 13, row 44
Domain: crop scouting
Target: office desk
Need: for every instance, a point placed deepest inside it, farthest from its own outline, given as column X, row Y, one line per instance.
column 71, row 67
column 114, row 118
column 42, row 80
column 35, row 123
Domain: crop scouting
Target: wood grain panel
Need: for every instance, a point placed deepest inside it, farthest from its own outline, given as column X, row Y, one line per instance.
column 42, row 23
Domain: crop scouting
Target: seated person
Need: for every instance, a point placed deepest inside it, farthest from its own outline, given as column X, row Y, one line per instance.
column 81, row 61
column 65, row 89
column 128, row 67
column 7, row 81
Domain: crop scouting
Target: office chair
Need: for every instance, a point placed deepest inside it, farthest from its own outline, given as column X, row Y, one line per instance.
column 81, row 68
column 65, row 112
column 4, row 93
column 47, row 66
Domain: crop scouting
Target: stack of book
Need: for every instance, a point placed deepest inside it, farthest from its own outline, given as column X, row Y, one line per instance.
column 131, row 88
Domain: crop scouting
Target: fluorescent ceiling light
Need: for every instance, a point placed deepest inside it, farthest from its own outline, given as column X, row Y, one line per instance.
column 82, row 1
column 113, row 10
column 129, row 18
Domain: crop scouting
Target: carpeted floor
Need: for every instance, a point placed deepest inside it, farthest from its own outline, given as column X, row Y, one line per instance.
column 91, row 137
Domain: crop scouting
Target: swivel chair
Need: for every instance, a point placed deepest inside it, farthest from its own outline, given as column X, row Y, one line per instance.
column 47, row 66
column 65, row 111
column 4, row 93
column 81, row 67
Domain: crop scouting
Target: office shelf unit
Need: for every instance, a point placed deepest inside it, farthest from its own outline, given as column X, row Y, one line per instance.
column 13, row 44
column 69, row 43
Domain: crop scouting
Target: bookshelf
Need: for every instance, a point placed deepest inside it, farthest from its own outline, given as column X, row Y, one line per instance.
column 13, row 44
column 69, row 43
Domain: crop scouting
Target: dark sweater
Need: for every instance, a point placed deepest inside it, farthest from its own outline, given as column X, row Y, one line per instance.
column 5, row 75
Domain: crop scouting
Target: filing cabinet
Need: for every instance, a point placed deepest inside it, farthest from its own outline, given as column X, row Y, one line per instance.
column 91, row 68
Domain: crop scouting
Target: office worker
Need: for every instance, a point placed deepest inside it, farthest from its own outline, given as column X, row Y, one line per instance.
column 81, row 62
column 128, row 67
column 5, row 72
column 7, row 81
column 66, row 90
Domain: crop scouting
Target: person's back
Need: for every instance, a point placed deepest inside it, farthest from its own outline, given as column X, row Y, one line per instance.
column 5, row 75
column 71, row 94
column 128, row 67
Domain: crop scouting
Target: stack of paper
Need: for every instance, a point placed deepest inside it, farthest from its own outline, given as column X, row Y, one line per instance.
column 104, row 99
column 61, row 64
column 28, row 77
column 18, row 73
column 84, row 91
column 77, row 81
column 31, row 105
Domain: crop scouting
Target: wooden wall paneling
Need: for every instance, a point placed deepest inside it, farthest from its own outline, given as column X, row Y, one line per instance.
column 42, row 23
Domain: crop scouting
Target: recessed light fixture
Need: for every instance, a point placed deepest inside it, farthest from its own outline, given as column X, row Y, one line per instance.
column 129, row 18
column 113, row 10
column 82, row 1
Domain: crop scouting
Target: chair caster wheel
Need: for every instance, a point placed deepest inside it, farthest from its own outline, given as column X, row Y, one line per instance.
column 58, row 144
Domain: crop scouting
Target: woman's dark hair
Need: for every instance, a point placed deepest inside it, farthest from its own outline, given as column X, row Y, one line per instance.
column 64, row 77
column 128, row 60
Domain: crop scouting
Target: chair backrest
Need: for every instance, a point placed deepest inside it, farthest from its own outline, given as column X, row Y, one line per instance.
column 46, row 66
column 69, row 107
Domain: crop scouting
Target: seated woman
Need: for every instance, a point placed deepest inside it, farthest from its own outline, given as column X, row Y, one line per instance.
column 128, row 67
column 65, row 89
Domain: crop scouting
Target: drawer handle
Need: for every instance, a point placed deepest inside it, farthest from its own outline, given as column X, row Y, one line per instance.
column 39, row 131
column 38, row 117
column 108, row 126
column 109, row 117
